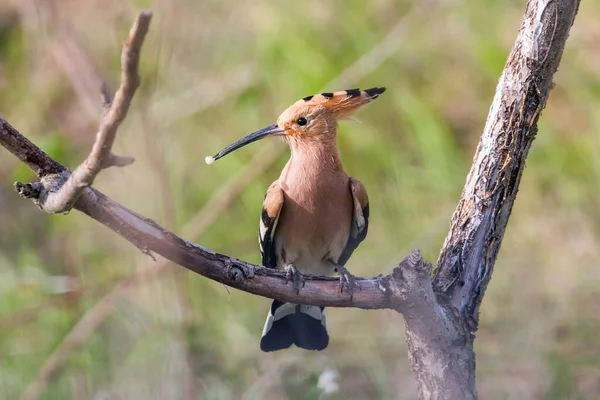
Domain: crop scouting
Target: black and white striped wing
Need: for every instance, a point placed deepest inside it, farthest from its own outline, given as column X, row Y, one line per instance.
column 360, row 220
column 268, row 224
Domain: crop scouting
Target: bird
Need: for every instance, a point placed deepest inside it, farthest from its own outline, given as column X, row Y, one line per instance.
column 314, row 215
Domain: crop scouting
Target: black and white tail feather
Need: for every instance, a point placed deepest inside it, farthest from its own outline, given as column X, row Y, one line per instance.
column 287, row 324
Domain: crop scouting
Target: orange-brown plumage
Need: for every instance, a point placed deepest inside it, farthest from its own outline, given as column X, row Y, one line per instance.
column 314, row 223
column 314, row 216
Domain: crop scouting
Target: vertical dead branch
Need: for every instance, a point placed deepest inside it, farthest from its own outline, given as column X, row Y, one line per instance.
column 478, row 224
column 470, row 250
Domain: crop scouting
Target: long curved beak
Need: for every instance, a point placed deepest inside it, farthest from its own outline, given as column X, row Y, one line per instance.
column 271, row 130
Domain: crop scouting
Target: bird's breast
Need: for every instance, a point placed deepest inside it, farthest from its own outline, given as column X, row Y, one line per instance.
column 314, row 223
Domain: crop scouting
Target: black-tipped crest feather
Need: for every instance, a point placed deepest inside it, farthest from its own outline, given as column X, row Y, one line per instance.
column 375, row 92
column 353, row 92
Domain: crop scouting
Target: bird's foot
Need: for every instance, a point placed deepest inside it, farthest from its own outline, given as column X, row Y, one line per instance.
column 347, row 278
column 292, row 274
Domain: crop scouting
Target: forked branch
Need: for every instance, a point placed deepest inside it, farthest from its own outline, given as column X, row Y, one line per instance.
column 58, row 190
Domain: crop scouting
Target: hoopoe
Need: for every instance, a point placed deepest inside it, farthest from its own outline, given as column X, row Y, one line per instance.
column 314, row 216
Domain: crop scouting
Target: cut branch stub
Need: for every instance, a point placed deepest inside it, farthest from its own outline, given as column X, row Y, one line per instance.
column 441, row 354
column 410, row 276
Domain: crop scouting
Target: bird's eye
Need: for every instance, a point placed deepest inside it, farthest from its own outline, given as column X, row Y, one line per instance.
column 302, row 121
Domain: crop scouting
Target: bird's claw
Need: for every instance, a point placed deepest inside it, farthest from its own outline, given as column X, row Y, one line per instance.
column 292, row 274
column 349, row 279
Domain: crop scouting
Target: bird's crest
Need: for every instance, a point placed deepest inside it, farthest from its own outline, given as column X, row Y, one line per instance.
column 342, row 103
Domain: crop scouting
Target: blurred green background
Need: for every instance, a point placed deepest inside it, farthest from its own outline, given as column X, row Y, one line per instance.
column 85, row 315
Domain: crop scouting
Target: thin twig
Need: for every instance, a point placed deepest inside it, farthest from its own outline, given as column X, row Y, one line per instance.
column 61, row 197
column 99, row 158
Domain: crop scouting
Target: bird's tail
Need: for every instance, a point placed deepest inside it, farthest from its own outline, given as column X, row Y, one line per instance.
column 287, row 324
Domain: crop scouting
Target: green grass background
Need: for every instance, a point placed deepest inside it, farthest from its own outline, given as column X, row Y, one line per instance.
column 213, row 71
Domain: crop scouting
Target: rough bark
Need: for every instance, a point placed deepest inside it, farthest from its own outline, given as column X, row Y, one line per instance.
column 467, row 258
column 441, row 316
column 479, row 222
column 438, row 348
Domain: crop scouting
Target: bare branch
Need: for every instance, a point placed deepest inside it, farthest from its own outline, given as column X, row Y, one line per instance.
column 119, row 105
column 27, row 152
column 254, row 279
column 60, row 193
column 478, row 224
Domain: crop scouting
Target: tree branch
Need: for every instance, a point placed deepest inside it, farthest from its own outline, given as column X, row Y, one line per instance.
column 57, row 193
column 467, row 258
column 27, row 152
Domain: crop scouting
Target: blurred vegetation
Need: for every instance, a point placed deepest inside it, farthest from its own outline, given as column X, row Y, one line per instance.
column 213, row 71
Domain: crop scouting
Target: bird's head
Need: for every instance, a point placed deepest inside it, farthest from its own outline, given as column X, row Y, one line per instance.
column 312, row 118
